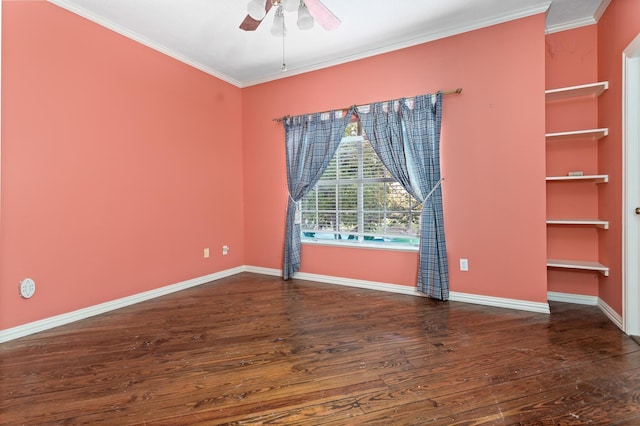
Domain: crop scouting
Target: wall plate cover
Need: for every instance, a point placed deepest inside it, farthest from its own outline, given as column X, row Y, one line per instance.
column 464, row 264
column 27, row 288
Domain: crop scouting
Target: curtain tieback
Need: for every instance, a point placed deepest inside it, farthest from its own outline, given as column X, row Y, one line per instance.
column 433, row 190
column 298, row 213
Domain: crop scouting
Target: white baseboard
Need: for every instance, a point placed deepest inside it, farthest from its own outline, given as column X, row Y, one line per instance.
column 349, row 282
column 58, row 320
column 578, row 299
column 588, row 300
column 411, row 291
column 263, row 271
column 500, row 302
column 609, row 312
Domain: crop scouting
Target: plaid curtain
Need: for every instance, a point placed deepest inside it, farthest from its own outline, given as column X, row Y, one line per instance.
column 407, row 139
column 311, row 142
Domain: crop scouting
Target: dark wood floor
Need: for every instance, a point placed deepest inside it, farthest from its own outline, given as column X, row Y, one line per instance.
column 252, row 349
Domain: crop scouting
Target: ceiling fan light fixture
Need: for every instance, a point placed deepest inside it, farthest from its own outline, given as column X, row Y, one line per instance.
column 279, row 29
column 305, row 20
column 290, row 5
column 256, row 9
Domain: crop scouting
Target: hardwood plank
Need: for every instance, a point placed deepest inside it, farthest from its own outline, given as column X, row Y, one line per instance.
column 549, row 396
column 252, row 349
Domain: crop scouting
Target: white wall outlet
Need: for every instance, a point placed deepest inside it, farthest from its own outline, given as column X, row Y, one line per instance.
column 464, row 264
column 206, row 252
column 225, row 250
column 27, row 288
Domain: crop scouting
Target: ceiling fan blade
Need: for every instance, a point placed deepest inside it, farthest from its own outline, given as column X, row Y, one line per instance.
column 322, row 15
column 250, row 24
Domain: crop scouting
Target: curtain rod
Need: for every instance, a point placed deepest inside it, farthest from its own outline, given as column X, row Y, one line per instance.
column 444, row 93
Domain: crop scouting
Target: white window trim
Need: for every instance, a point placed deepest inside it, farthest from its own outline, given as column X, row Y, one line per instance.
column 362, row 245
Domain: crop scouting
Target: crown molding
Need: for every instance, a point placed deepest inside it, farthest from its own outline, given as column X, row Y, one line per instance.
column 570, row 25
column 142, row 40
column 580, row 22
column 601, row 9
column 424, row 38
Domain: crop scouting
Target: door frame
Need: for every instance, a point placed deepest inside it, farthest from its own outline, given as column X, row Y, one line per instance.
column 630, row 187
column 0, row 123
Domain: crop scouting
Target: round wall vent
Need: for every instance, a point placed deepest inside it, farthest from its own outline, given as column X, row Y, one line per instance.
column 27, row 288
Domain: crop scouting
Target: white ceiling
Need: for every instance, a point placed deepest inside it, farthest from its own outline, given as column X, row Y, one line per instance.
column 205, row 33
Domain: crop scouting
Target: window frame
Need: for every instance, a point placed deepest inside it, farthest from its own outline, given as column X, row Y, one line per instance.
column 360, row 181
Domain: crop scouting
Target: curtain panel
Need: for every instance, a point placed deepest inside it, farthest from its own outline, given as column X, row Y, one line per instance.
column 406, row 136
column 311, row 142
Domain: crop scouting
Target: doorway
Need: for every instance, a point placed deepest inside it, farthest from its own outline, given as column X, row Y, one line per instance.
column 631, row 187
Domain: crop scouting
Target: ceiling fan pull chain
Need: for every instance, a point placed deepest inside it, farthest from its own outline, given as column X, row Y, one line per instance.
column 283, row 68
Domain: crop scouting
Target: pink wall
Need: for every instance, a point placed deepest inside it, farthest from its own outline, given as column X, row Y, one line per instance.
column 616, row 29
column 571, row 59
column 492, row 148
column 119, row 165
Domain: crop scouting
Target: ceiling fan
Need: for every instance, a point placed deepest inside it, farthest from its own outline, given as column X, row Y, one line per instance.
column 308, row 12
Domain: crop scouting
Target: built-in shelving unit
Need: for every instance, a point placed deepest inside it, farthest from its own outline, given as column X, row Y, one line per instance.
column 604, row 224
column 591, row 89
column 578, row 264
column 566, row 93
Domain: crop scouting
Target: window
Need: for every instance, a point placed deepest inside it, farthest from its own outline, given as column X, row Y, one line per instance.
column 358, row 201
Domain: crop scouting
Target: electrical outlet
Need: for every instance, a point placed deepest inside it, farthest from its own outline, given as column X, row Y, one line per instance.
column 206, row 252
column 225, row 250
column 464, row 264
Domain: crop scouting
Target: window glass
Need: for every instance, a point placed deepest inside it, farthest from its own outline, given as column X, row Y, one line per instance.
column 357, row 201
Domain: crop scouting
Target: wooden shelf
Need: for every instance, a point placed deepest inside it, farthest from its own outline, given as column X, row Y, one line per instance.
column 604, row 224
column 578, row 264
column 592, row 89
column 595, row 178
column 593, row 134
